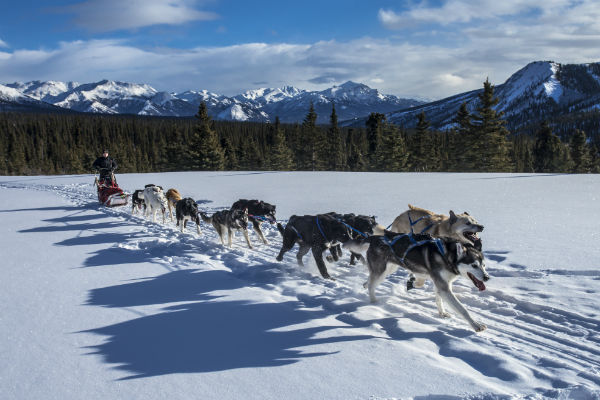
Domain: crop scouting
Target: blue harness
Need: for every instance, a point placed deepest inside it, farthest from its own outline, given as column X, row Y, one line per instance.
column 354, row 229
column 413, row 244
column 413, row 223
column 321, row 229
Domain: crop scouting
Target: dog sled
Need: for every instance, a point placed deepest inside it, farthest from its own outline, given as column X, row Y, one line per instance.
column 109, row 192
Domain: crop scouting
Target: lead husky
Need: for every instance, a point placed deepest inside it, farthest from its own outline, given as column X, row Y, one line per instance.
column 461, row 227
column 442, row 260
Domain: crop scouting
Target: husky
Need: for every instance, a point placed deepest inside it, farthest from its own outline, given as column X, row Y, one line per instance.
column 316, row 232
column 359, row 226
column 229, row 221
column 461, row 227
column 173, row 197
column 187, row 209
column 155, row 200
column 443, row 260
column 137, row 201
column 258, row 211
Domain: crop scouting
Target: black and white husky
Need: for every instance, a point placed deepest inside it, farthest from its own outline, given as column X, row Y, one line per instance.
column 442, row 260
column 187, row 209
column 229, row 221
column 313, row 232
column 137, row 201
column 258, row 212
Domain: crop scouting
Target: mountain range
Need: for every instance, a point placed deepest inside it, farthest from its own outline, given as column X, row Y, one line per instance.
column 538, row 91
column 290, row 104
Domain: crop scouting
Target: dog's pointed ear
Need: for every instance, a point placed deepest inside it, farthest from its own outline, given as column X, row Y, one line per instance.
column 452, row 217
column 466, row 213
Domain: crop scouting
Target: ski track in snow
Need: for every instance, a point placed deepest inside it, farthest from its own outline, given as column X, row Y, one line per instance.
column 519, row 328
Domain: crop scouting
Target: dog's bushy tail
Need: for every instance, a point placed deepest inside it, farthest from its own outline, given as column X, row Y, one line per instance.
column 280, row 228
column 205, row 217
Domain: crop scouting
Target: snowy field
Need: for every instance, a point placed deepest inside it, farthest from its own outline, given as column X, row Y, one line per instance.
column 99, row 304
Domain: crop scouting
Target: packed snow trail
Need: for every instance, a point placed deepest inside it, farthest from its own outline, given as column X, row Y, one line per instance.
column 528, row 343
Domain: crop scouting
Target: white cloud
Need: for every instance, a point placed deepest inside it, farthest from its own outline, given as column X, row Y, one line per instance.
column 3, row 43
column 404, row 69
column 111, row 15
column 464, row 11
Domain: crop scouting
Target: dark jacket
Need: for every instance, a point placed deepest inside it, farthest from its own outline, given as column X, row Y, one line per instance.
column 106, row 164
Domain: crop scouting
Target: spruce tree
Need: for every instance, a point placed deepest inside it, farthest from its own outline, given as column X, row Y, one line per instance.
column 491, row 135
column 374, row 126
column 421, row 145
column 580, row 152
column 205, row 152
column 392, row 154
column 464, row 149
column 337, row 156
column 281, row 157
column 547, row 150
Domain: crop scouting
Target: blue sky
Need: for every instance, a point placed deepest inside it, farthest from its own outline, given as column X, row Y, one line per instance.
column 423, row 49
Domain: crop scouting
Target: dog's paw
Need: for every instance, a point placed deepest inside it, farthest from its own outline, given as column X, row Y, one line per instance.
column 366, row 284
column 329, row 258
column 329, row 277
column 479, row 327
column 445, row 315
column 279, row 258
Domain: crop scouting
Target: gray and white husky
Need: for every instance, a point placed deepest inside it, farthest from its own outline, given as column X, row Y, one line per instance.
column 442, row 260
column 229, row 221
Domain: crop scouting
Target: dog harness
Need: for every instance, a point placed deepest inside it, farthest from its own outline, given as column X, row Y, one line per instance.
column 413, row 223
column 295, row 230
column 259, row 217
column 354, row 229
column 321, row 230
column 414, row 243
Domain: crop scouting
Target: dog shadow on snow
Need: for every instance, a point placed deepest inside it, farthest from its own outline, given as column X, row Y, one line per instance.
column 208, row 333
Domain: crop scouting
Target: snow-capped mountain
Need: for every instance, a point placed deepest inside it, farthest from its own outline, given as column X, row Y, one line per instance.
column 353, row 100
column 540, row 90
column 12, row 99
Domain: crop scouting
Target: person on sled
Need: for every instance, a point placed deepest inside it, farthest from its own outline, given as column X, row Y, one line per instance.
column 106, row 165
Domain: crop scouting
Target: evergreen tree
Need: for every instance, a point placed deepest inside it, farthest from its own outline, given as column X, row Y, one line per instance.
column 465, row 148
column 491, row 136
column 392, row 154
column 337, row 154
column 230, row 152
column 282, row 158
column 421, row 146
column 580, row 152
column 374, row 126
column 314, row 142
column 205, row 153
column 547, row 150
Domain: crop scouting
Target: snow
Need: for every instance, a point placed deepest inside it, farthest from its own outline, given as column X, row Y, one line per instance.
column 98, row 303
column 10, row 94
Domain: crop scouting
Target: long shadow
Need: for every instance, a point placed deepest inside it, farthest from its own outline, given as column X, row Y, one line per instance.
column 487, row 365
column 56, row 208
column 207, row 335
column 74, row 227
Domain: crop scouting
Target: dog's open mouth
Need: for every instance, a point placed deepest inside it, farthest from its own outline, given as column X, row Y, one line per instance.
column 480, row 285
column 472, row 236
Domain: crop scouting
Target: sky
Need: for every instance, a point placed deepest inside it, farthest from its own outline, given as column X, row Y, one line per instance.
column 412, row 49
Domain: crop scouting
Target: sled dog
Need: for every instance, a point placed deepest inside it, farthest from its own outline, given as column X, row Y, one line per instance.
column 155, row 201
column 187, row 209
column 443, row 260
column 258, row 212
column 358, row 226
column 173, row 197
column 137, row 201
column 461, row 227
column 313, row 232
column 229, row 221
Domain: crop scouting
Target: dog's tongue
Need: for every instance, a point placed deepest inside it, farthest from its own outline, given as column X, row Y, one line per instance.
column 480, row 285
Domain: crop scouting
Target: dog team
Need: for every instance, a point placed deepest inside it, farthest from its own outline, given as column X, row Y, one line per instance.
column 432, row 246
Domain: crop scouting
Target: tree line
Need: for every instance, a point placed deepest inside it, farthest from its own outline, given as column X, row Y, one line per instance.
column 479, row 142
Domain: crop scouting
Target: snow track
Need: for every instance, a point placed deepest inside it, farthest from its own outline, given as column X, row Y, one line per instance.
column 534, row 338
